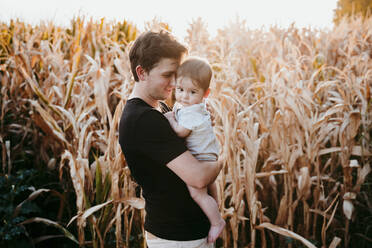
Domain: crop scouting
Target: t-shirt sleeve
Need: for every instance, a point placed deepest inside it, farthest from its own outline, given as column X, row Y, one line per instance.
column 156, row 138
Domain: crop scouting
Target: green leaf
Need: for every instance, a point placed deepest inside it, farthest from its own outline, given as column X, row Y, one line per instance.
column 66, row 233
column 107, row 186
column 99, row 192
column 105, row 217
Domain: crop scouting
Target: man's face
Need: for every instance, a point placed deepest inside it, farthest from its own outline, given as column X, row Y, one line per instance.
column 161, row 79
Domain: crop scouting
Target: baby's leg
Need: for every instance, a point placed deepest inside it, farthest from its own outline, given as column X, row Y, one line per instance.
column 210, row 208
column 212, row 191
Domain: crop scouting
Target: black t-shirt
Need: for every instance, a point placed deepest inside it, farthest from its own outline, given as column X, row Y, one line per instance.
column 148, row 143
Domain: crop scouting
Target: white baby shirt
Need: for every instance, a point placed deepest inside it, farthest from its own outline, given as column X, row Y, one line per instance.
column 201, row 142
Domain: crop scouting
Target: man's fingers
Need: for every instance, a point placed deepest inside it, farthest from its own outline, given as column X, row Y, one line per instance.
column 210, row 110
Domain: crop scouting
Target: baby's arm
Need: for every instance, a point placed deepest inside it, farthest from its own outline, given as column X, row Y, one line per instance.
column 180, row 130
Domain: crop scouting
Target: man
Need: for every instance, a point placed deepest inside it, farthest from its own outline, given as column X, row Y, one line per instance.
column 157, row 158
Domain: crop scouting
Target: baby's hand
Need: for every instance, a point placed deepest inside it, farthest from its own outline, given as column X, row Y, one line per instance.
column 179, row 130
column 170, row 115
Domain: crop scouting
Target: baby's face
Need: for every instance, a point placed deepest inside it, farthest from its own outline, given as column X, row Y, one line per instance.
column 187, row 93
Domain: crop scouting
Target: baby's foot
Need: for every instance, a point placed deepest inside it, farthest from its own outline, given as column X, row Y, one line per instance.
column 215, row 231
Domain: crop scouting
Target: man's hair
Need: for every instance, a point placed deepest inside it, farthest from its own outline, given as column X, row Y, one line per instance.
column 198, row 70
column 150, row 47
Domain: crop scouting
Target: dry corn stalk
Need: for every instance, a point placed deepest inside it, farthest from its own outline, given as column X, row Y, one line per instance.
column 291, row 108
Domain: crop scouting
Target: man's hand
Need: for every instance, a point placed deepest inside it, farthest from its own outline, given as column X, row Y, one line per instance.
column 210, row 110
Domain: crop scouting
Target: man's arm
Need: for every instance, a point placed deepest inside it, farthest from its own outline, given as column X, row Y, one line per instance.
column 164, row 147
column 193, row 172
column 178, row 129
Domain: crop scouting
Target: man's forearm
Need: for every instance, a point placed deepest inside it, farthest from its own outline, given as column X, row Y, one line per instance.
column 193, row 172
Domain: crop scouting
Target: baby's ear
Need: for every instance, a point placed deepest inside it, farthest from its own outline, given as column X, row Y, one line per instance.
column 207, row 91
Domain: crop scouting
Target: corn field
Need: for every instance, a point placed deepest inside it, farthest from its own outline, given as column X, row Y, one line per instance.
column 292, row 111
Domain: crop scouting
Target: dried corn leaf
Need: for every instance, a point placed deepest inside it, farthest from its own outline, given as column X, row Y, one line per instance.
column 287, row 233
column 335, row 242
column 348, row 208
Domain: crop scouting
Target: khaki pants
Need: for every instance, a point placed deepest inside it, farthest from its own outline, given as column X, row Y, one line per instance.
column 155, row 242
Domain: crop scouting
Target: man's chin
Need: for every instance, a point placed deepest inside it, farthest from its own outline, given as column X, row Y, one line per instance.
column 168, row 95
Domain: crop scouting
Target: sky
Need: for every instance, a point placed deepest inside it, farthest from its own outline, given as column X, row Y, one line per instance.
column 178, row 14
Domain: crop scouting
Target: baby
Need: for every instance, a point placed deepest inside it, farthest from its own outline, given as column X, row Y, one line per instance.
column 191, row 119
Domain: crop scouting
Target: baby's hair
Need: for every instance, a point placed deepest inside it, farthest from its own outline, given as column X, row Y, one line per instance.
column 198, row 70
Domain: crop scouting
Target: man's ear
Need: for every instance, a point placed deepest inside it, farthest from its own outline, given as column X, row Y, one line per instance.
column 207, row 91
column 141, row 73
